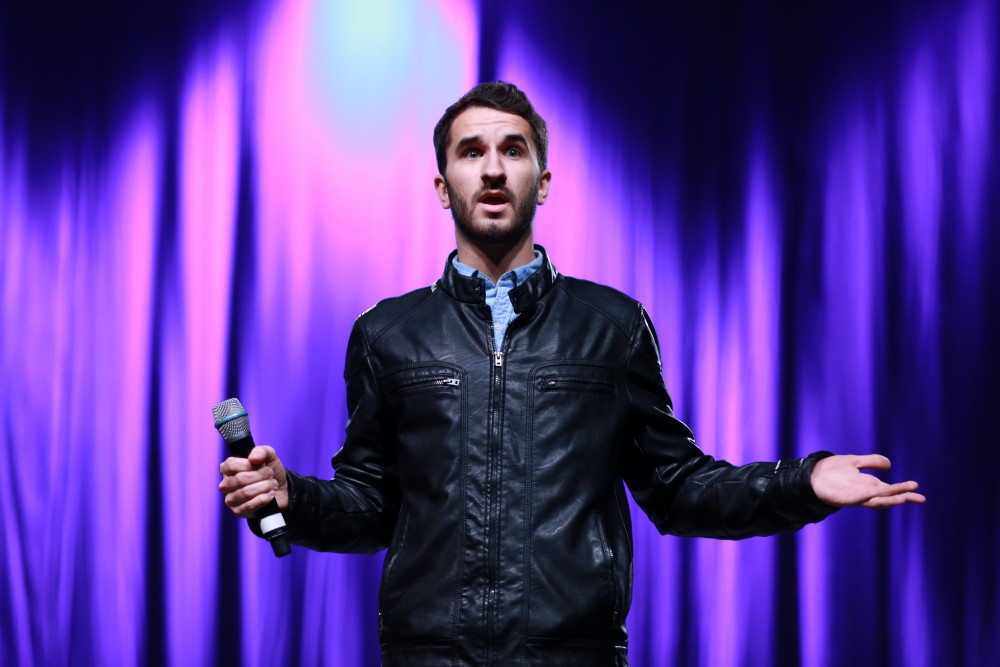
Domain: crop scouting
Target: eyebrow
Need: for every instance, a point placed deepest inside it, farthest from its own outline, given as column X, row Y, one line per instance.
column 515, row 138
column 478, row 139
column 467, row 141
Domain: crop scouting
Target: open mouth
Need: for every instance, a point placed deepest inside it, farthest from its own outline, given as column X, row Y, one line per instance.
column 493, row 199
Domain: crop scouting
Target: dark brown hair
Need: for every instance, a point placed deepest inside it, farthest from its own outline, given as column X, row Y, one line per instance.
column 498, row 95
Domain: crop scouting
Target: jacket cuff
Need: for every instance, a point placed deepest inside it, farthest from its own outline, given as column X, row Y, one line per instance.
column 796, row 482
column 296, row 487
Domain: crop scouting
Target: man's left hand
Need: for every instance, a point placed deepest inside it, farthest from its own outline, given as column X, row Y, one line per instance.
column 838, row 481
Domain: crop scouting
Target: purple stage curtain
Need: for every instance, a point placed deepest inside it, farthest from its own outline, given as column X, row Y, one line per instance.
column 196, row 204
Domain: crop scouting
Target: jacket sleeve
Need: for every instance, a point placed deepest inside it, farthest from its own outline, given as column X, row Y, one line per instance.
column 687, row 492
column 356, row 511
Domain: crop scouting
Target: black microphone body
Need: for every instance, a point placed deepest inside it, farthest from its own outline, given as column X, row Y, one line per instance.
column 233, row 424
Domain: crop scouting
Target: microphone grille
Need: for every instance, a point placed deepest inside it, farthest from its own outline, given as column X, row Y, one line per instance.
column 231, row 419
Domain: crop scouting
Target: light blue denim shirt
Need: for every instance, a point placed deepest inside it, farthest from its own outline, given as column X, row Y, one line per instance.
column 498, row 296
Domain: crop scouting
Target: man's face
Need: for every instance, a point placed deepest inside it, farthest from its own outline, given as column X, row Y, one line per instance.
column 492, row 182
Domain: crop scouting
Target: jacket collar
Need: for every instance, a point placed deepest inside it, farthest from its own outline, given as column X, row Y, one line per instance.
column 473, row 290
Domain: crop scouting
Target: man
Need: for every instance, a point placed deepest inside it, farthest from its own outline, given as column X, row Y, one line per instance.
column 495, row 419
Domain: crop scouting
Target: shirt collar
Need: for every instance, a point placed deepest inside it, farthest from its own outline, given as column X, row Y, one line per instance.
column 511, row 279
column 473, row 290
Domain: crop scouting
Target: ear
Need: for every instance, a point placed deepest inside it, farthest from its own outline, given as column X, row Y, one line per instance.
column 543, row 186
column 442, row 191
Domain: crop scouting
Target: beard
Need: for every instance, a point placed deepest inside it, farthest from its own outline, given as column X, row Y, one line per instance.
column 493, row 232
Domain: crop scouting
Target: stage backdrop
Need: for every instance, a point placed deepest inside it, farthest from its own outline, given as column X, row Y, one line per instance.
column 195, row 203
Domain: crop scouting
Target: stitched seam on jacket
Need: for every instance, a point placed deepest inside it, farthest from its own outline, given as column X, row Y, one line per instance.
column 419, row 306
column 565, row 287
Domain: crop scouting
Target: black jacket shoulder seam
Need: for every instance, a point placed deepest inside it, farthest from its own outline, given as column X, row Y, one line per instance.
column 618, row 325
column 375, row 335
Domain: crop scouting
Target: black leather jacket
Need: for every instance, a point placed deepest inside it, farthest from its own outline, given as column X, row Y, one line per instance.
column 496, row 477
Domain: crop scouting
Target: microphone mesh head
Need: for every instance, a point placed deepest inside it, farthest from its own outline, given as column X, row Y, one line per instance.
column 231, row 419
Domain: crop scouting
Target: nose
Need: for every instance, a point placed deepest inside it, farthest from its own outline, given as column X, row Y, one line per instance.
column 493, row 171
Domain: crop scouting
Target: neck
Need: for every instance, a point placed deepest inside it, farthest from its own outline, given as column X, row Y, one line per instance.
column 494, row 261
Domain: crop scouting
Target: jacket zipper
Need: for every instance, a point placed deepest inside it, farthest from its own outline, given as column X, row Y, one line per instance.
column 492, row 602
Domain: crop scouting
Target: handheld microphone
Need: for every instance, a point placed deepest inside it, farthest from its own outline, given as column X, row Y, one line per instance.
column 233, row 424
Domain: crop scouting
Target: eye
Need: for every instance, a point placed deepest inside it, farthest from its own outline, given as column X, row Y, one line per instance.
column 472, row 153
column 514, row 152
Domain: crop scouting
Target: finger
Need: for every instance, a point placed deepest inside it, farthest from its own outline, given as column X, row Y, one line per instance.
column 250, row 509
column 246, row 478
column 251, row 497
column 872, row 462
column 233, row 465
column 887, row 490
column 880, row 503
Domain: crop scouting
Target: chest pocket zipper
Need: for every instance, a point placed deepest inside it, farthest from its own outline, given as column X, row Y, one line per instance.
column 418, row 384
column 577, row 384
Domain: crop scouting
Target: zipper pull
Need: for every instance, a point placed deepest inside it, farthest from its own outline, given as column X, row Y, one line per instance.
column 451, row 382
column 498, row 359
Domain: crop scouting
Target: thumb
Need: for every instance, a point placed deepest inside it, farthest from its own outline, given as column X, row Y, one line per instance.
column 872, row 462
column 262, row 455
